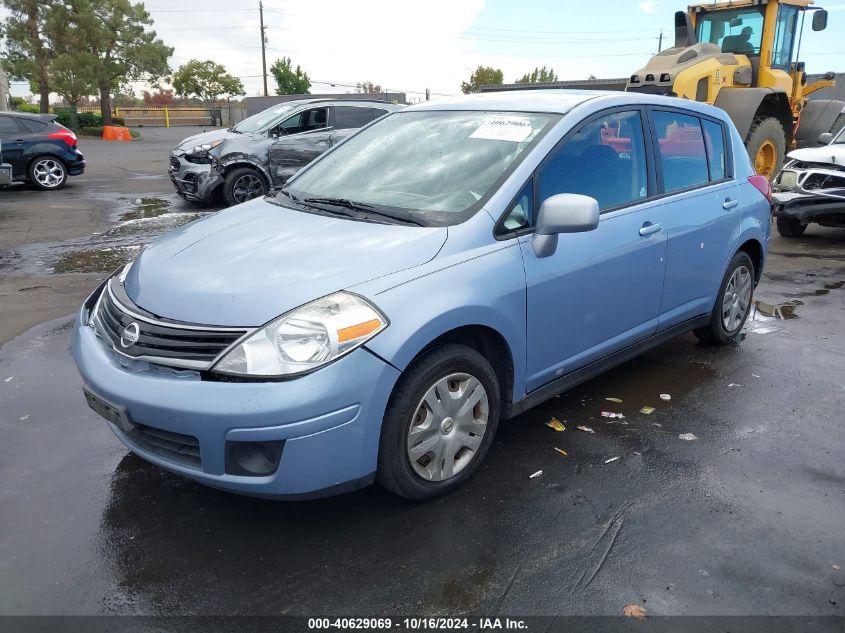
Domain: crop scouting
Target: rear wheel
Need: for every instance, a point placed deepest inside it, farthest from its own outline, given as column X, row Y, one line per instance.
column 733, row 303
column 790, row 227
column 439, row 424
column 48, row 173
column 766, row 146
column 242, row 184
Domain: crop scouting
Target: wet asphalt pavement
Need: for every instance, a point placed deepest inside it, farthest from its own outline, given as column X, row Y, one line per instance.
column 746, row 519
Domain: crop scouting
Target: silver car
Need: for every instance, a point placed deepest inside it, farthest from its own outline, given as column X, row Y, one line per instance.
column 261, row 152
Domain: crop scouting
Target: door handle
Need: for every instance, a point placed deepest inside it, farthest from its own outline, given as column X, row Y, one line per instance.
column 729, row 204
column 648, row 228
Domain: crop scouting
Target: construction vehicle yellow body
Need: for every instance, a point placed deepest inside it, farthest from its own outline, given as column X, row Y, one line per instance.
column 742, row 56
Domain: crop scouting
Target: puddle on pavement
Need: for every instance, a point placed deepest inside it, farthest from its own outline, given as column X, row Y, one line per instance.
column 146, row 208
column 139, row 222
column 638, row 384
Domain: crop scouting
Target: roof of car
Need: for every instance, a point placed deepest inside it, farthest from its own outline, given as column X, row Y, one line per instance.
column 553, row 101
column 30, row 115
column 333, row 100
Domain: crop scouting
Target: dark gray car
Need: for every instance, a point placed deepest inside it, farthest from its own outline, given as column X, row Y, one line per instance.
column 261, row 152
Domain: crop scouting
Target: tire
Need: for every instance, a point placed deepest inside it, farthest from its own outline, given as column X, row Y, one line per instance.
column 766, row 135
column 242, row 184
column 47, row 173
column 453, row 367
column 718, row 331
column 790, row 227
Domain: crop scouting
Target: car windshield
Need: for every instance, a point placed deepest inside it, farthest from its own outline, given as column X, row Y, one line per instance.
column 263, row 119
column 437, row 164
column 839, row 139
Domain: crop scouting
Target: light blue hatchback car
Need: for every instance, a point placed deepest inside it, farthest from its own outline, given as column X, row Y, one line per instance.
column 450, row 265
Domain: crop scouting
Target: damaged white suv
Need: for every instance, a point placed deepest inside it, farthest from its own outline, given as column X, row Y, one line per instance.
column 811, row 186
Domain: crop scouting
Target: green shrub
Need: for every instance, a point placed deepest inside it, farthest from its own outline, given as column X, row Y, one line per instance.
column 89, row 119
column 118, row 120
column 65, row 118
column 28, row 107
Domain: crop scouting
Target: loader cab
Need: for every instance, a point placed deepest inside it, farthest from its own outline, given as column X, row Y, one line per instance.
column 737, row 31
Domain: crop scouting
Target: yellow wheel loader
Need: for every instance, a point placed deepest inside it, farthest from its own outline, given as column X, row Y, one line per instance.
column 742, row 56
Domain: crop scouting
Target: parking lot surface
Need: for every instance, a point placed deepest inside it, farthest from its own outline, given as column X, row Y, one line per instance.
column 745, row 519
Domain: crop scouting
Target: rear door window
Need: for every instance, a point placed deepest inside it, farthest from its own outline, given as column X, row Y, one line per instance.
column 355, row 117
column 714, row 141
column 680, row 150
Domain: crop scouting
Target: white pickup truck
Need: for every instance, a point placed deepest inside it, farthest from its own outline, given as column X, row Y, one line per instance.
column 811, row 187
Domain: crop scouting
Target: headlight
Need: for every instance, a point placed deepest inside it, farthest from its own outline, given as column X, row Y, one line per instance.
column 305, row 338
column 97, row 296
column 205, row 147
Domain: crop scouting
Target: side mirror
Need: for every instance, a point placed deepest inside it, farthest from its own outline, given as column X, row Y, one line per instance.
column 820, row 20
column 736, row 22
column 563, row 213
column 825, row 138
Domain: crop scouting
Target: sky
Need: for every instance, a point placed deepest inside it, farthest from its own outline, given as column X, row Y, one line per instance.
column 409, row 46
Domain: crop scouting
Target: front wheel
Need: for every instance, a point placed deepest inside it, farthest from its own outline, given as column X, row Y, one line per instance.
column 439, row 423
column 790, row 227
column 766, row 146
column 733, row 303
column 243, row 184
column 47, row 173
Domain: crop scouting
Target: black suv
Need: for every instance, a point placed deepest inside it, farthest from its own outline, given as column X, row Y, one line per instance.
column 261, row 152
column 34, row 148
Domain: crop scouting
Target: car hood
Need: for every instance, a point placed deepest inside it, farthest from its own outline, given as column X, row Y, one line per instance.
column 206, row 137
column 834, row 154
column 248, row 264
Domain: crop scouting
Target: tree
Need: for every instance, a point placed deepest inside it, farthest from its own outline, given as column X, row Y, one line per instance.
column 206, row 80
column 483, row 76
column 112, row 36
column 368, row 87
column 28, row 54
column 538, row 76
column 160, row 97
column 289, row 81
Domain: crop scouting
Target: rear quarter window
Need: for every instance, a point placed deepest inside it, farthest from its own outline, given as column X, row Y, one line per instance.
column 32, row 125
column 354, row 117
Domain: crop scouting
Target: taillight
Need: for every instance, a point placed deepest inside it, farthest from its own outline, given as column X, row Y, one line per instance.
column 761, row 184
column 65, row 135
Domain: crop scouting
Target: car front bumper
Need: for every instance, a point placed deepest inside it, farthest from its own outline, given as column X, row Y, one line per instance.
column 813, row 194
column 193, row 181
column 329, row 420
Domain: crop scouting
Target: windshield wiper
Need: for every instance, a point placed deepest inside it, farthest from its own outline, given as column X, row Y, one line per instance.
column 365, row 208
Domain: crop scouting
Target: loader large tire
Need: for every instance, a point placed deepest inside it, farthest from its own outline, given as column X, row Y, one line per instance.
column 766, row 146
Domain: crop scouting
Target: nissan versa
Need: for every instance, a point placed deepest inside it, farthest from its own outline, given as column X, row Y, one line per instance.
column 450, row 265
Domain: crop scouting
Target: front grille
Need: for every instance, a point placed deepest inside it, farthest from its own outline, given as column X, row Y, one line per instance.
column 175, row 164
column 158, row 340
column 177, row 447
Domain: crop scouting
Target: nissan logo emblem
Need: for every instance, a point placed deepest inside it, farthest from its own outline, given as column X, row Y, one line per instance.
column 130, row 335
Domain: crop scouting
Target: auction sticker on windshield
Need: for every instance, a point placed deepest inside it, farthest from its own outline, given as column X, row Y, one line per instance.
column 504, row 128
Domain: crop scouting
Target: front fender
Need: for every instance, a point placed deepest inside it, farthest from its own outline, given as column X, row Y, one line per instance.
column 488, row 290
column 233, row 161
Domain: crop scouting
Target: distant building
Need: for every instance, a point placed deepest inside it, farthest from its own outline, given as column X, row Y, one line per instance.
column 5, row 92
column 572, row 84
